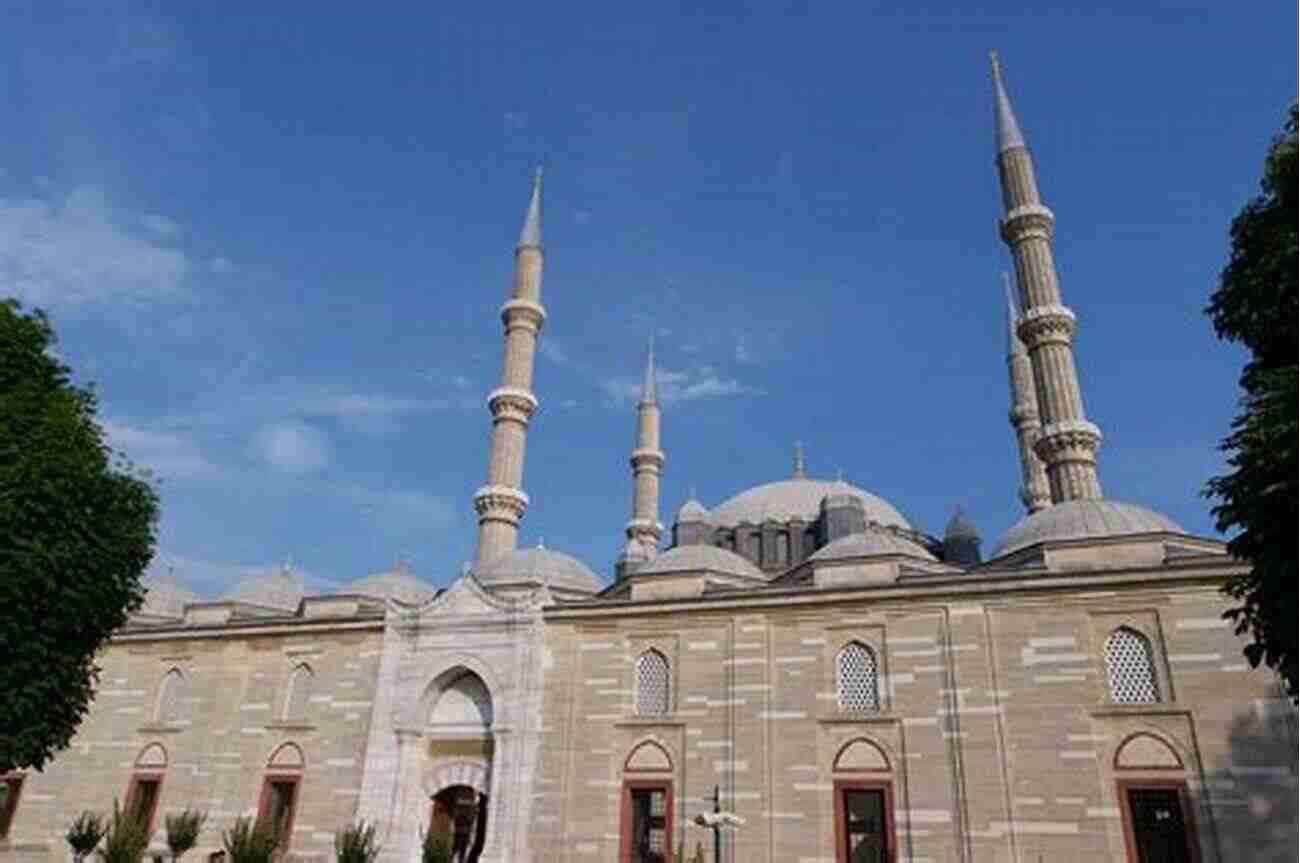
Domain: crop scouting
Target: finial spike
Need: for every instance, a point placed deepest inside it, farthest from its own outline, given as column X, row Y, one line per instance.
column 531, row 234
column 1008, row 130
column 799, row 469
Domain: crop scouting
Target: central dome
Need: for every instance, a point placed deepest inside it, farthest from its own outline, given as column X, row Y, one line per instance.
column 800, row 498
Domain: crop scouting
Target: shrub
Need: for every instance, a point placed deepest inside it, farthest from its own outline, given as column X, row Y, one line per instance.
column 435, row 847
column 126, row 838
column 356, row 844
column 246, row 842
column 84, row 834
column 183, row 831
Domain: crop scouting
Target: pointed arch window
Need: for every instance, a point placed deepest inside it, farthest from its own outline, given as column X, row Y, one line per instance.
column 1130, row 669
column 858, row 679
column 652, row 683
column 170, row 694
column 298, row 693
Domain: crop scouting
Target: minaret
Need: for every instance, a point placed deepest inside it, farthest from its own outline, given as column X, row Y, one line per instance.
column 1068, row 442
column 501, row 502
column 1034, row 491
column 643, row 528
column 799, row 471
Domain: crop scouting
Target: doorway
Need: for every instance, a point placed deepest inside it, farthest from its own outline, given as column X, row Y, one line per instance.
column 460, row 813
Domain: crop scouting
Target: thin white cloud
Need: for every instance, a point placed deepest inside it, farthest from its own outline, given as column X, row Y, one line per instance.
column 81, row 249
column 291, row 447
column 166, row 454
column 693, row 384
column 211, row 579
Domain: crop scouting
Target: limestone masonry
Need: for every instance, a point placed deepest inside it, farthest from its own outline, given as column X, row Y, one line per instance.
column 857, row 689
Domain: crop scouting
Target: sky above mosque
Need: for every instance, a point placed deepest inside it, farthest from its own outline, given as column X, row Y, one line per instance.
column 278, row 246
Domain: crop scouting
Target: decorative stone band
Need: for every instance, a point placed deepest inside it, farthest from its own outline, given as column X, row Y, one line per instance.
column 1070, row 440
column 1044, row 325
column 511, row 403
column 1022, row 415
column 500, row 503
column 1025, row 221
column 644, row 525
column 524, row 314
column 647, row 458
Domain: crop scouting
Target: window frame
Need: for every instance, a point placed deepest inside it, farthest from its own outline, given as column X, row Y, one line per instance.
column 839, row 679
column 668, row 683
column 269, row 780
column 657, row 783
column 296, row 673
column 1157, row 684
column 14, row 781
column 1179, row 786
column 138, row 777
column 839, row 786
column 174, row 675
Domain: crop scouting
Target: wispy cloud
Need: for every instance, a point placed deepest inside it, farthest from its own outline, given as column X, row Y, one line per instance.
column 167, row 454
column 693, row 384
column 210, row 578
column 82, row 249
column 291, row 447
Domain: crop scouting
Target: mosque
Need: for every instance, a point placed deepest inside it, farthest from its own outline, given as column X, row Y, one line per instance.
column 854, row 688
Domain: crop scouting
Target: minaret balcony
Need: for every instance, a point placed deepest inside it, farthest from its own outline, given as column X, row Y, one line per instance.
column 1025, row 221
column 512, row 403
column 1041, row 325
column 500, row 501
column 523, row 313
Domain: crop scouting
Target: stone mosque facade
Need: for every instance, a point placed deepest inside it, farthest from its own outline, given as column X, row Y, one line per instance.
column 855, row 688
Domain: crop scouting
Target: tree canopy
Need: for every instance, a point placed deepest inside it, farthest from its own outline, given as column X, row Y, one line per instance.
column 1255, row 305
column 77, row 529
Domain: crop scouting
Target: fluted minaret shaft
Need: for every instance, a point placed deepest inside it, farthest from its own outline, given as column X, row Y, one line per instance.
column 501, row 503
column 1068, row 443
column 647, row 462
column 1035, row 492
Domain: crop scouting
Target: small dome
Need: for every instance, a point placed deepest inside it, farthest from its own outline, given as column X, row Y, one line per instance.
column 959, row 526
column 283, row 589
column 1080, row 519
column 802, row 499
column 165, row 596
column 869, row 544
column 692, row 510
column 538, row 566
column 691, row 558
column 397, row 584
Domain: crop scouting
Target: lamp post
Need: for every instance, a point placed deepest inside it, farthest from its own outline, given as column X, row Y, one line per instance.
column 716, row 820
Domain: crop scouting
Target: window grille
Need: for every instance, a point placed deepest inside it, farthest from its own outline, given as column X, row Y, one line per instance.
column 298, row 693
column 859, row 686
column 651, row 684
column 169, row 696
column 1130, row 669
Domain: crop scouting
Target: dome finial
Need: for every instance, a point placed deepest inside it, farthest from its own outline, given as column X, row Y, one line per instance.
column 1008, row 130
column 799, row 471
column 541, row 544
column 531, row 233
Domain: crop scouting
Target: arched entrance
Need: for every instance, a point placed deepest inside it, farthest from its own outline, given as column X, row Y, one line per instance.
column 460, row 762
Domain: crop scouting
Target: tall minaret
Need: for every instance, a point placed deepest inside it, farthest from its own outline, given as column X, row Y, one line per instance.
column 1068, row 443
column 1035, row 493
column 643, row 529
column 501, row 502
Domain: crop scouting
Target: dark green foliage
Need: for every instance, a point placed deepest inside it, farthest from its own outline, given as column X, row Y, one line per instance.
column 246, row 842
column 1256, row 306
column 356, row 844
column 76, row 531
column 84, row 833
column 126, row 839
column 183, row 830
column 435, row 847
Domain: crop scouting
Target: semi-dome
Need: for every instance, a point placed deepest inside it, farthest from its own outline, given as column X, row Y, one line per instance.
column 1083, row 519
column 165, row 596
column 282, row 589
column 695, row 558
column 396, row 584
column 538, row 566
column 800, row 498
column 868, row 544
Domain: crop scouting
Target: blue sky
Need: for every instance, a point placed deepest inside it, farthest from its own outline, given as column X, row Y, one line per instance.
column 278, row 244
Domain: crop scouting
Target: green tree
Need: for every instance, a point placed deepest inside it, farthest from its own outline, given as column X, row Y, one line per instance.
column 77, row 528
column 1255, row 305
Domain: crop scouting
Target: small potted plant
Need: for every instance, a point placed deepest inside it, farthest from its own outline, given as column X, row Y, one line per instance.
column 84, row 834
column 183, row 830
column 246, row 842
column 356, row 844
column 126, row 838
column 435, row 847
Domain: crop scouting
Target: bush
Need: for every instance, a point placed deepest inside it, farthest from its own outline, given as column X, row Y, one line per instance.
column 436, row 847
column 183, row 831
column 247, row 842
column 126, row 838
column 356, row 844
column 84, row 833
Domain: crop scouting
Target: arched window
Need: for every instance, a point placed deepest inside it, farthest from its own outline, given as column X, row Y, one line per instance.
column 170, row 693
column 298, row 693
column 858, row 684
column 1129, row 668
column 652, row 684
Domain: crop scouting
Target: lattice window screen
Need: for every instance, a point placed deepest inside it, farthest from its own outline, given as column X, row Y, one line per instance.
column 1130, row 669
column 859, row 686
column 652, row 684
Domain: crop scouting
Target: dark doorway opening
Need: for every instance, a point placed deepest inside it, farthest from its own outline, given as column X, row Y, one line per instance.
column 1158, row 825
column 460, row 813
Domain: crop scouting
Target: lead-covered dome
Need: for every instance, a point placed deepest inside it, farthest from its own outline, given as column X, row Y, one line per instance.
column 800, row 498
column 870, row 543
column 165, row 596
column 697, row 558
column 535, row 567
column 282, row 589
column 1083, row 519
column 398, row 584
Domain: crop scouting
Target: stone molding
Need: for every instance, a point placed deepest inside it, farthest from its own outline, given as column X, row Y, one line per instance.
column 1026, row 221
column 523, row 314
column 647, row 459
column 1045, row 325
column 1068, row 441
column 512, row 403
column 500, row 503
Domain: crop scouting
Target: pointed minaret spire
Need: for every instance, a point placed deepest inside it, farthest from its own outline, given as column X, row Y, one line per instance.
column 643, row 528
column 1008, row 129
column 799, row 470
column 501, row 502
column 1068, row 443
column 1035, row 493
